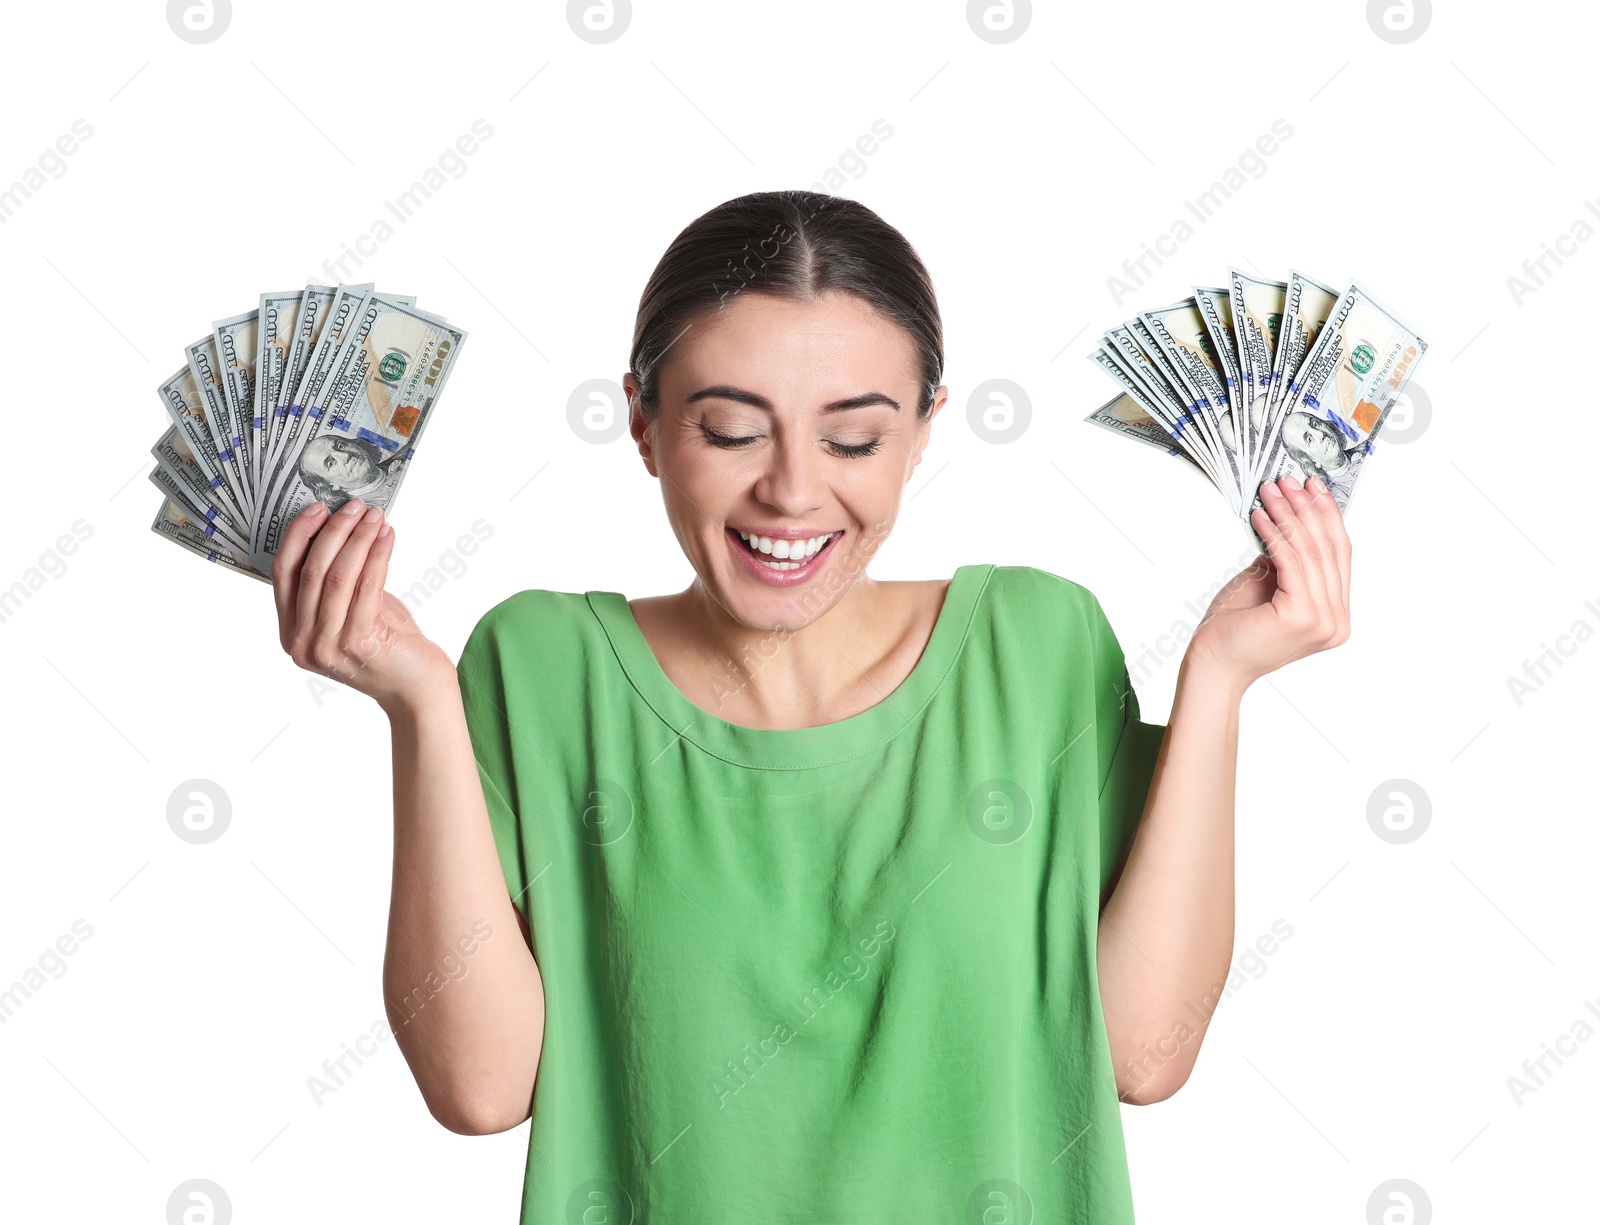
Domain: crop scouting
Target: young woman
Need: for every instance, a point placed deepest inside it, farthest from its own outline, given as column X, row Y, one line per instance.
column 797, row 895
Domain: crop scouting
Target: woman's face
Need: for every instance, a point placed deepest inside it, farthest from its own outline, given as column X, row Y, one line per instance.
column 792, row 421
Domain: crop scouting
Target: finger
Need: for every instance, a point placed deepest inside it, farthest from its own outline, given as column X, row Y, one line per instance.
column 366, row 606
column 1318, row 617
column 1338, row 534
column 1292, row 579
column 338, row 585
column 286, row 567
column 1317, row 544
column 335, row 531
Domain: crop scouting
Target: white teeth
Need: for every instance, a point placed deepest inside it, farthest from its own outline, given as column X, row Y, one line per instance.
column 784, row 549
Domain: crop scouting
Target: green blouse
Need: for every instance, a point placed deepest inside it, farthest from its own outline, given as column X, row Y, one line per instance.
column 835, row 974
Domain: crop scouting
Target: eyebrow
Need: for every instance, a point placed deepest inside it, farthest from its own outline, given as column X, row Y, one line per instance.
column 724, row 392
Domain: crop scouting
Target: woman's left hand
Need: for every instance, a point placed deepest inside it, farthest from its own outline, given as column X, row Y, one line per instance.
column 1292, row 601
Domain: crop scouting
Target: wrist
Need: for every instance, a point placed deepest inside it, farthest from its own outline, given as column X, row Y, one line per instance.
column 439, row 687
column 1201, row 666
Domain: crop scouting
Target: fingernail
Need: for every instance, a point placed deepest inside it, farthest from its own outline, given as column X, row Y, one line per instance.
column 386, row 530
column 352, row 507
column 374, row 513
column 1292, row 481
column 1315, row 485
column 316, row 508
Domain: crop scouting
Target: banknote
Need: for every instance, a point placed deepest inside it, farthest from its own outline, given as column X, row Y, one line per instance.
column 310, row 321
column 316, row 393
column 277, row 314
column 1306, row 307
column 178, row 526
column 201, row 357
column 1257, row 311
column 1124, row 415
column 1181, row 332
column 1126, row 362
column 368, row 417
column 183, row 404
column 180, row 475
column 235, row 339
column 1336, row 403
column 1258, row 380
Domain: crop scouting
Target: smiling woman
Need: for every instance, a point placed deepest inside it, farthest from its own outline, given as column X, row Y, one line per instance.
column 839, row 899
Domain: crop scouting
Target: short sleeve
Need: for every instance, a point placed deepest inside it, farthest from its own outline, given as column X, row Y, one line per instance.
column 1125, row 786
column 483, row 697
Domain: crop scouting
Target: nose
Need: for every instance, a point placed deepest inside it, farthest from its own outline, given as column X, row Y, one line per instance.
column 792, row 482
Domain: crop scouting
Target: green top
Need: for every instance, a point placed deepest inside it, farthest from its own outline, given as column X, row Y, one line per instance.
column 833, row 974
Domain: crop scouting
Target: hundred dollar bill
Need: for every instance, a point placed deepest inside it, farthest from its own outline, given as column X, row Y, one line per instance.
column 180, row 475
column 1306, row 307
column 1176, row 428
column 1337, row 401
column 1181, row 332
column 1123, row 415
column 315, row 304
column 306, row 402
column 201, row 357
column 277, row 315
column 236, row 363
column 375, row 403
column 178, row 526
column 1216, row 309
column 1257, row 311
column 1135, row 336
column 1132, row 348
column 183, row 404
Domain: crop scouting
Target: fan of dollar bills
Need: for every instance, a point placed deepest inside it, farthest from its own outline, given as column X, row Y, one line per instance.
column 317, row 394
column 1260, row 380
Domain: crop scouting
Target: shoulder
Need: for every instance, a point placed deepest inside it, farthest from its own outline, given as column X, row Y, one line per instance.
column 1029, row 594
column 529, row 624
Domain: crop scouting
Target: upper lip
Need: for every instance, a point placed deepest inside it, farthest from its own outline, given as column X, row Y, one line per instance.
column 784, row 533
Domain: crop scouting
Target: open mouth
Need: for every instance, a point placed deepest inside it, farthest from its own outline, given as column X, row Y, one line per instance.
column 782, row 556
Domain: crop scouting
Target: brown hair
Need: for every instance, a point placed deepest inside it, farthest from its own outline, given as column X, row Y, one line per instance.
column 791, row 244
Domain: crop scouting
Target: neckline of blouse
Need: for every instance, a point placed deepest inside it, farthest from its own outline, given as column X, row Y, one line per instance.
column 794, row 748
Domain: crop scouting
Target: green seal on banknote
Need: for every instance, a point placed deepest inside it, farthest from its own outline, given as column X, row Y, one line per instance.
column 1362, row 357
column 392, row 366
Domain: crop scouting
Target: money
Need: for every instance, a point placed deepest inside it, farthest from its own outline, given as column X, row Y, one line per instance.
column 275, row 329
column 183, row 404
column 1258, row 380
column 1337, row 401
column 180, row 475
column 1257, row 312
column 367, row 417
column 205, row 370
column 178, row 526
column 319, row 393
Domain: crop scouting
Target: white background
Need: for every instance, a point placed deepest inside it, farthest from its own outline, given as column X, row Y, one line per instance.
column 1377, row 1042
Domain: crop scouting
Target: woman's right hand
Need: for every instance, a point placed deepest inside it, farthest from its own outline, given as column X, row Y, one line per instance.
column 335, row 618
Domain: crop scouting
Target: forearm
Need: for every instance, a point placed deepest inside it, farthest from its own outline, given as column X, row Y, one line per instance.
column 461, row 987
column 1166, row 934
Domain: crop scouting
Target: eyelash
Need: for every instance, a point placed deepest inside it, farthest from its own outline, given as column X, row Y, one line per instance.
column 844, row 450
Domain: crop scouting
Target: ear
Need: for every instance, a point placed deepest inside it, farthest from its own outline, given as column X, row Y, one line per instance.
column 940, row 395
column 644, row 432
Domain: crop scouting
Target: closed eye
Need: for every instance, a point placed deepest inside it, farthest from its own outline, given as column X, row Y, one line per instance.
column 844, row 450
